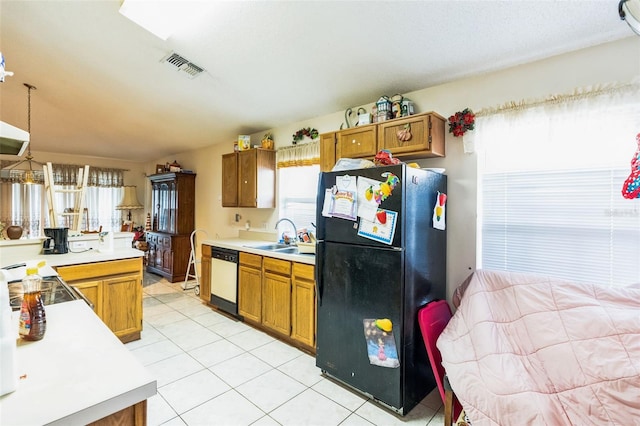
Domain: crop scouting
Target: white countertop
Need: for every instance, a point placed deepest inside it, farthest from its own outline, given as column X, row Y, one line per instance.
column 242, row 244
column 72, row 258
column 78, row 373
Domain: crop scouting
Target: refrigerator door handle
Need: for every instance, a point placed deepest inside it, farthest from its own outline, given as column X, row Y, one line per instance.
column 317, row 271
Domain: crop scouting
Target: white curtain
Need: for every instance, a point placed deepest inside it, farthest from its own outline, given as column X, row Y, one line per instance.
column 550, row 186
column 25, row 205
column 298, row 169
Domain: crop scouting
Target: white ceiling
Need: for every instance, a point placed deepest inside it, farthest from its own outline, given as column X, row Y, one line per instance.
column 102, row 90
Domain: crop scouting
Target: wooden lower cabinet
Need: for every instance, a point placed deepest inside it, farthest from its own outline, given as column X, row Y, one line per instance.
column 168, row 255
column 276, row 295
column 303, row 304
column 115, row 289
column 135, row 415
column 250, row 287
column 205, row 273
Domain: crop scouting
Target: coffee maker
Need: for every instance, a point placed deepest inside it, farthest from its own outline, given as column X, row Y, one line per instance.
column 56, row 242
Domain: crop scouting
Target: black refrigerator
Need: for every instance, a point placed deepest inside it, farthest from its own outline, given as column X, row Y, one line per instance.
column 373, row 274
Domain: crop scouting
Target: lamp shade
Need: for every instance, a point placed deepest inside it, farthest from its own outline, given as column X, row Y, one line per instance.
column 629, row 11
column 129, row 199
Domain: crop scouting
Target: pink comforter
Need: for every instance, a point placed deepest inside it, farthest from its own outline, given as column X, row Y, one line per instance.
column 530, row 350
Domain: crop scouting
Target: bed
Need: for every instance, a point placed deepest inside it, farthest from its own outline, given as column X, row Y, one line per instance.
column 525, row 349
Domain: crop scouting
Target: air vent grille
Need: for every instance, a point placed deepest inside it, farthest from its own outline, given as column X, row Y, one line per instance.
column 179, row 63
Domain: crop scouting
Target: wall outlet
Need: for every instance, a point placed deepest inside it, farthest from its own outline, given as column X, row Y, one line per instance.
column 78, row 245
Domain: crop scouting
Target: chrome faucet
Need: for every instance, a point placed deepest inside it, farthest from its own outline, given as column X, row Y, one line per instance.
column 295, row 230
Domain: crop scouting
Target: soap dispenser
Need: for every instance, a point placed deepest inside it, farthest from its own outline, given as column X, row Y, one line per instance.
column 8, row 336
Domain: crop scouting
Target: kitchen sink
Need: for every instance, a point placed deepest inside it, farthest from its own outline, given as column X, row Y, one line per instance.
column 291, row 250
column 279, row 248
column 274, row 246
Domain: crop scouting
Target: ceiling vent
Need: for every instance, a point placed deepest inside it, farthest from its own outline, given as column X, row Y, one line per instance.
column 178, row 63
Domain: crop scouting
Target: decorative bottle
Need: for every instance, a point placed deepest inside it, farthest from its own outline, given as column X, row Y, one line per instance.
column 33, row 322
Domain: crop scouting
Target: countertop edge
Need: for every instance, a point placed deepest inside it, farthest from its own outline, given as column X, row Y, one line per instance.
column 67, row 259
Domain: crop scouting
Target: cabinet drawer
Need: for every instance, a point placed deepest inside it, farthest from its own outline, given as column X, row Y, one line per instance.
column 165, row 241
column 278, row 266
column 100, row 269
column 303, row 270
column 249, row 259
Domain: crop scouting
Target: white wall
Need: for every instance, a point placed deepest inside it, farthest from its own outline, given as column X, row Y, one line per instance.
column 610, row 63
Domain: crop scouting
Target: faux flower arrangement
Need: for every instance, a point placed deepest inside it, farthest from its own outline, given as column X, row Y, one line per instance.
column 461, row 121
column 308, row 131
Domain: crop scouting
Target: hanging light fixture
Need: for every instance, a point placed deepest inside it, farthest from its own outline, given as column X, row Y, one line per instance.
column 629, row 11
column 27, row 171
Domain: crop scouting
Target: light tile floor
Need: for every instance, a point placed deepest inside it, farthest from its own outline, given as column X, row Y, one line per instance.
column 212, row 370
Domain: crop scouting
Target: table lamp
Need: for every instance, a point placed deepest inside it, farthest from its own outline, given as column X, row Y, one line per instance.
column 129, row 201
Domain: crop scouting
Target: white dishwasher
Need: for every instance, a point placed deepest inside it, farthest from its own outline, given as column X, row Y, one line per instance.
column 224, row 279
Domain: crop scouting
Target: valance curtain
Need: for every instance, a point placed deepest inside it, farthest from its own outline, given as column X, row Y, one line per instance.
column 67, row 174
column 550, row 175
column 298, row 155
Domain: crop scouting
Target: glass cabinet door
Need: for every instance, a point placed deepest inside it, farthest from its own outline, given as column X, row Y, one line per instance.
column 172, row 207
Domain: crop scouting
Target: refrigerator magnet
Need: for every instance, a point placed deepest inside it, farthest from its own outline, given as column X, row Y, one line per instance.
column 381, row 345
column 382, row 228
column 367, row 204
column 439, row 212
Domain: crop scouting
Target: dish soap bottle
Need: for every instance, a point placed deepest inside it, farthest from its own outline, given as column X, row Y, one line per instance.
column 8, row 376
column 33, row 322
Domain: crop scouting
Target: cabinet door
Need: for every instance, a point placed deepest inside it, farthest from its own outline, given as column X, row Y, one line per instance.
column 92, row 290
column 122, row 307
column 230, row 180
column 276, row 302
column 427, row 136
column 247, row 194
column 357, row 142
column 205, row 273
column 303, row 305
column 327, row 151
column 250, row 293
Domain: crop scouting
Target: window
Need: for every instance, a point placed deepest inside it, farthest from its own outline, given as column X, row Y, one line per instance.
column 25, row 205
column 549, row 196
column 297, row 194
column 298, row 171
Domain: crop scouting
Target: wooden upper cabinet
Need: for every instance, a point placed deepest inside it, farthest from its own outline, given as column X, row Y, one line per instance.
column 426, row 136
column 255, row 177
column 230, row 180
column 327, row 151
column 427, row 132
column 357, row 142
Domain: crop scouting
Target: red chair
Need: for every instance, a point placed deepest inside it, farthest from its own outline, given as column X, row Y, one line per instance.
column 433, row 318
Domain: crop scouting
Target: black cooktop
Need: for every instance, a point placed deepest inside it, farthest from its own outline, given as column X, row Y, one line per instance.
column 54, row 290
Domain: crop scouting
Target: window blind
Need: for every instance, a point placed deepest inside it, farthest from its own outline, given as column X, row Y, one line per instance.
column 549, row 195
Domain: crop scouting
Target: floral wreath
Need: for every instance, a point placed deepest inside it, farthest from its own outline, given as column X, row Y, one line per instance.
column 461, row 121
column 307, row 131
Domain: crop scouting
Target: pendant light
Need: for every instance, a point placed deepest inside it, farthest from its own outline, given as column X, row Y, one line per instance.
column 27, row 171
column 629, row 11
